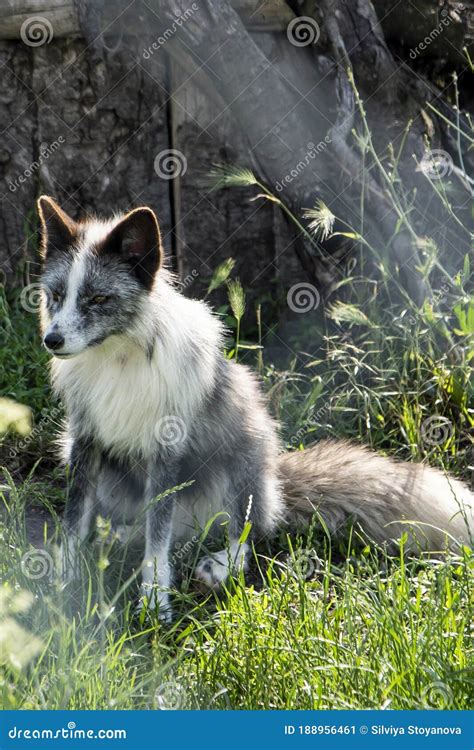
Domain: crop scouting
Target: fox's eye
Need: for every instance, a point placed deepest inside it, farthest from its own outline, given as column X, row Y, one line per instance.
column 56, row 296
column 99, row 299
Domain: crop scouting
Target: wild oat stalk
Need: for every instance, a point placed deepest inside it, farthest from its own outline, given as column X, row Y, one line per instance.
column 322, row 220
column 237, row 304
column 220, row 275
column 226, row 175
column 343, row 312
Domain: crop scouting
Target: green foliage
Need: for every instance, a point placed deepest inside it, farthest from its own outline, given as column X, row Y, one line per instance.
column 220, row 275
column 367, row 632
column 236, row 299
column 313, row 626
column 361, row 631
column 24, row 372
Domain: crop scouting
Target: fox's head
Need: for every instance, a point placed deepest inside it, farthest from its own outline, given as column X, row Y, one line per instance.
column 96, row 275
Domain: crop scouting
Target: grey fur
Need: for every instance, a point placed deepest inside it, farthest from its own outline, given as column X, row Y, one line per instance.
column 229, row 452
column 342, row 481
column 102, row 276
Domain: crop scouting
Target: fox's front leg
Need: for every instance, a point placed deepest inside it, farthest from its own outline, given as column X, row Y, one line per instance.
column 156, row 571
column 80, row 504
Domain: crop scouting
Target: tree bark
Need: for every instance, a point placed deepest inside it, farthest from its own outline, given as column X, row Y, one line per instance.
column 286, row 102
column 281, row 94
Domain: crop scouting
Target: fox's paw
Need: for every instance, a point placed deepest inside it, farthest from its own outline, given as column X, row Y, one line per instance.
column 215, row 569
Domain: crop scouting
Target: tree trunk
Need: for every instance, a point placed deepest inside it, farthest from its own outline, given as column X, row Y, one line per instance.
column 280, row 94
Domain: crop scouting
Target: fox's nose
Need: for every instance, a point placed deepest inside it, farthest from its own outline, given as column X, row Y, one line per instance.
column 53, row 341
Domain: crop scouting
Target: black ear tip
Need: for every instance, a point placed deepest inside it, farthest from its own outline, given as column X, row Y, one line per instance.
column 145, row 221
column 145, row 212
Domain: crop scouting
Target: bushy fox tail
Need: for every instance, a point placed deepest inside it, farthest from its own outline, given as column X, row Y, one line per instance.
column 341, row 481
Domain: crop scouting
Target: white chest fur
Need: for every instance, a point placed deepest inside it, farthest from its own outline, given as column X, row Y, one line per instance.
column 129, row 402
column 120, row 394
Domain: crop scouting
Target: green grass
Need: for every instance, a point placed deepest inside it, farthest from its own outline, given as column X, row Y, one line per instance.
column 318, row 622
column 360, row 635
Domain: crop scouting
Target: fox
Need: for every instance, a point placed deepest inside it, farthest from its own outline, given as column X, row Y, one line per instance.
column 162, row 428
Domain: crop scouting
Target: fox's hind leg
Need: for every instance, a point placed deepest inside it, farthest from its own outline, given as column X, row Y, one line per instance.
column 257, row 503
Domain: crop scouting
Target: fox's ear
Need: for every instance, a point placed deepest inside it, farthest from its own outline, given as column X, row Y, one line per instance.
column 136, row 239
column 58, row 230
